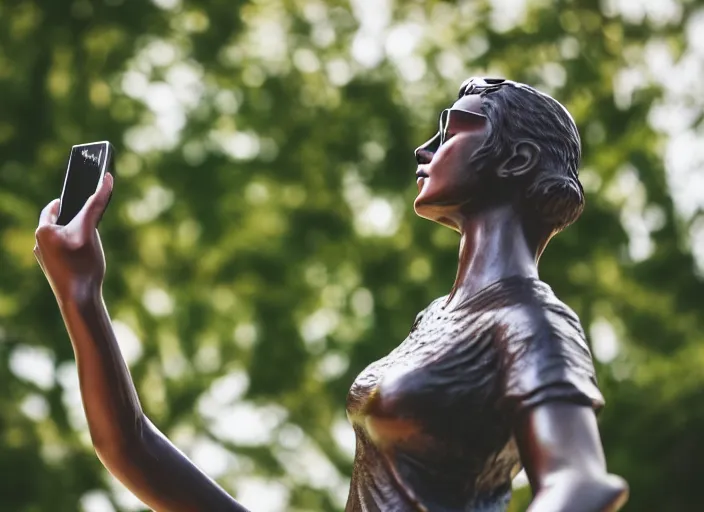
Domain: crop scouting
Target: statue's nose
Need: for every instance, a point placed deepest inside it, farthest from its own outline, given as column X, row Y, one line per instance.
column 424, row 154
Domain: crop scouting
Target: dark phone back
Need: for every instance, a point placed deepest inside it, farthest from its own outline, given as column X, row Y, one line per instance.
column 86, row 166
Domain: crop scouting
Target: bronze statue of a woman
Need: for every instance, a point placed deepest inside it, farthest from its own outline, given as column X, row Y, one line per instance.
column 494, row 376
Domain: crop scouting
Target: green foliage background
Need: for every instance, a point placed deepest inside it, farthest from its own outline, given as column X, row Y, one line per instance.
column 261, row 243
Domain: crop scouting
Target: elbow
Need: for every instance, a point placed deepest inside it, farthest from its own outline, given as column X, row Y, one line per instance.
column 608, row 493
column 118, row 444
column 582, row 493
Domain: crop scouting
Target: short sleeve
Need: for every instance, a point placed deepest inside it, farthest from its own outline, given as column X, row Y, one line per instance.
column 546, row 358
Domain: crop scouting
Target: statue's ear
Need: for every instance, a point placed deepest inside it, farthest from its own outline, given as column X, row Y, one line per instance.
column 523, row 159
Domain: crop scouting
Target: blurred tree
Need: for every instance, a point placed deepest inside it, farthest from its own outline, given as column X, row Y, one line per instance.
column 261, row 243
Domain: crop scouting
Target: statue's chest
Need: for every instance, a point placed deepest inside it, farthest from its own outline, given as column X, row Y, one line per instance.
column 441, row 350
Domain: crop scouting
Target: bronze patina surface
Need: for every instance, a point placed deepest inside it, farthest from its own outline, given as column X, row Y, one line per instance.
column 493, row 377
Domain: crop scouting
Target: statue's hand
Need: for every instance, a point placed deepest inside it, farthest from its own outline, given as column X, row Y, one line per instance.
column 72, row 256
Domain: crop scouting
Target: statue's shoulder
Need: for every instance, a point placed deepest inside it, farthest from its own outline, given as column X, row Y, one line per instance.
column 535, row 310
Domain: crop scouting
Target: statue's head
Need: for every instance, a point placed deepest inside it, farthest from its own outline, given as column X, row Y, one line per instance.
column 502, row 142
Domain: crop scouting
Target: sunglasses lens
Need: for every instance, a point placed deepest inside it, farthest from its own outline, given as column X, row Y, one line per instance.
column 444, row 117
column 457, row 120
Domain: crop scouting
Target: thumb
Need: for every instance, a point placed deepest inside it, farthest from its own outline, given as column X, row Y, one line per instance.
column 96, row 204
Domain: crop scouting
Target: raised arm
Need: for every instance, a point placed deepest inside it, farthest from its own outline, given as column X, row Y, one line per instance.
column 562, row 455
column 126, row 442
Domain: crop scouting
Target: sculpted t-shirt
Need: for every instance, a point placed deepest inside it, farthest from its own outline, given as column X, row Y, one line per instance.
column 434, row 418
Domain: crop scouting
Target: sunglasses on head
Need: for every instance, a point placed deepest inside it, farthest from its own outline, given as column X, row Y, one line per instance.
column 455, row 120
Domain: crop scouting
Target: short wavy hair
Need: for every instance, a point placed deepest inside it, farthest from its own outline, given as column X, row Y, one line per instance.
column 519, row 112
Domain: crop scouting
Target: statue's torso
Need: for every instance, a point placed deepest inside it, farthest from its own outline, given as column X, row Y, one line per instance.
column 434, row 418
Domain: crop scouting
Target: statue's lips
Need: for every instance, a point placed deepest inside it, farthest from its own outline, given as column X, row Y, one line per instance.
column 421, row 176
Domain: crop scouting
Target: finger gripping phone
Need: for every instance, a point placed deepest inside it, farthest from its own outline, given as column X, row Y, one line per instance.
column 87, row 164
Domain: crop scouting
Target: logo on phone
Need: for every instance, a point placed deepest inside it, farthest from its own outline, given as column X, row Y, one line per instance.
column 89, row 156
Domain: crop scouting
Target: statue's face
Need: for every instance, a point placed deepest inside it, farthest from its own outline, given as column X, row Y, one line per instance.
column 446, row 180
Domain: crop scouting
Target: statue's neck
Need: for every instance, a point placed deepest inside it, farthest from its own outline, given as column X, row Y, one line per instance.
column 493, row 246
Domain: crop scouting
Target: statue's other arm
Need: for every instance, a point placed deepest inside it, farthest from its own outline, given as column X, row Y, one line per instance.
column 552, row 394
column 562, row 454
column 127, row 443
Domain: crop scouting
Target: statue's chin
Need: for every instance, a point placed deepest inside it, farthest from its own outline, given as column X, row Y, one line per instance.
column 421, row 210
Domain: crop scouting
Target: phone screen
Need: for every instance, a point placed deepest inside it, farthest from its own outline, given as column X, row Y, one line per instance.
column 86, row 166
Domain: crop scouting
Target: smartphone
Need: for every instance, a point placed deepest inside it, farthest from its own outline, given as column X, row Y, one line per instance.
column 87, row 164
